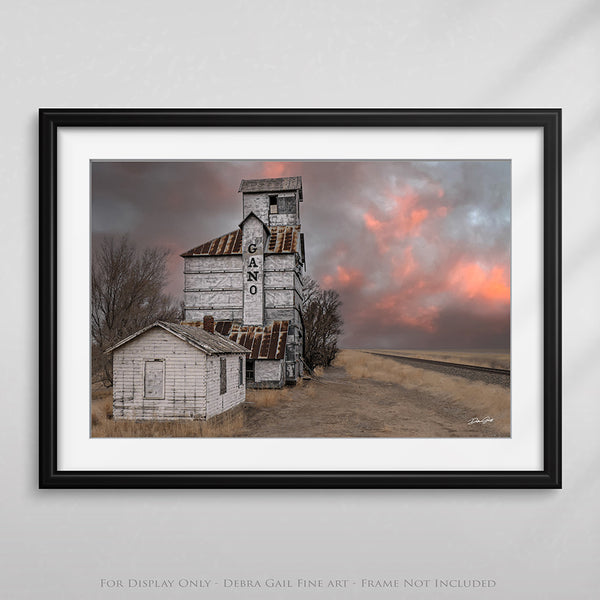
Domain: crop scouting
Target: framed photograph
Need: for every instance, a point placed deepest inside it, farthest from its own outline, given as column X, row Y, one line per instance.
column 300, row 298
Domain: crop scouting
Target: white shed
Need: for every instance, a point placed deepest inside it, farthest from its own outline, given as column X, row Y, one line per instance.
column 168, row 372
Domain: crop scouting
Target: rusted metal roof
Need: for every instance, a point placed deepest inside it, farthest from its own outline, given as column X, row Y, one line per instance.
column 263, row 342
column 210, row 343
column 230, row 243
column 266, row 342
column 282, row 239
column 279, row 184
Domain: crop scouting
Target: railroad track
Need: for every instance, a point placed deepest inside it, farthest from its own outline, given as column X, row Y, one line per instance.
column 442, row 363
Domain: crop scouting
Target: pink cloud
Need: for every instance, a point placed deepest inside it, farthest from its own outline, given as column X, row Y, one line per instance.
column 273, row 169
column 402, row 220
column 471, row 280
column 344, row 277
column 404, row 265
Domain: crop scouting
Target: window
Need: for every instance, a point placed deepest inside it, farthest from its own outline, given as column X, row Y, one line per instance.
column 249, row 370
column 241, row 380
column 273, row 204
column 154, row 379
column 286, row 204
column 223, row 376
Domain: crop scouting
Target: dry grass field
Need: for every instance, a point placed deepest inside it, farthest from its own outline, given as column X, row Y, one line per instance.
column 227, row 425
column 476, row 396
column 361, row 395
column 478, row 358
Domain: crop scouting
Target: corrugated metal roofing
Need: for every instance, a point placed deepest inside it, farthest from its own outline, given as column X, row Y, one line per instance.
column 282, row 239
column 210, row 343
column 279, row 184
column 230, row 243
column 263, row 342
column 266, row 342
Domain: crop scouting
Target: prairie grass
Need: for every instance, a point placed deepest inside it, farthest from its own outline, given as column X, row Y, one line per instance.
column 229, row 424
column 102, row 409
column 483, row 399
column 267, row 398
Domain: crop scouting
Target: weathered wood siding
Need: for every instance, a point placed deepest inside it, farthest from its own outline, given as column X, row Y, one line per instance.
column 235, row 394
column 258, row 204
column 187, row 379
column 280, row 287
column 279, row 262
column 213, row 286
column 209, row 299
column 283, row 301
column 214, row 264
column 279, row 279
column 269, row 373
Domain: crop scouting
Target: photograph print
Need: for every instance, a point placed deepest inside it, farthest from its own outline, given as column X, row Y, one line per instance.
column 337, row 299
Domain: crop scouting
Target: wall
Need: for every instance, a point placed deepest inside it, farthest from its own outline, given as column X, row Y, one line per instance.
column 283, row 301
column 268, row 373
column 536, row 544
column 213, row 286
column 258, row 204
column 279, row 273
column 185, row 382
column 235, row 394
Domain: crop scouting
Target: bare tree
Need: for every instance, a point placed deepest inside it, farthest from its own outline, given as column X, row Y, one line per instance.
column 127, row 294
column 322, row 321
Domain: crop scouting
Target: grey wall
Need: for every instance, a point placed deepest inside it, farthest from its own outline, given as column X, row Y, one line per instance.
column 58, row 544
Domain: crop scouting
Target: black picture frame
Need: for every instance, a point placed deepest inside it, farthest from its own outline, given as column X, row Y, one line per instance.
column 51, row 120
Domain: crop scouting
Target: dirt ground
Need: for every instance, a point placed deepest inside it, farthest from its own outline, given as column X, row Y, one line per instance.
column 337, row 405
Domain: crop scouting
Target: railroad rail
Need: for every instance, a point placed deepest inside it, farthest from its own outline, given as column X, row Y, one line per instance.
column 446, row 364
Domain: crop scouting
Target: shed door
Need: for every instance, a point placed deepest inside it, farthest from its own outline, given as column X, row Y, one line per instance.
column 154, row 379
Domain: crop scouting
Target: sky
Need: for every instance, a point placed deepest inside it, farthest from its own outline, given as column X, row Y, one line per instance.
column 419, row 251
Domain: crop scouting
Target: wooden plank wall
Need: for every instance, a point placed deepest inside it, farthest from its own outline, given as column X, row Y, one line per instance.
column 185, row 385
column 235, row 394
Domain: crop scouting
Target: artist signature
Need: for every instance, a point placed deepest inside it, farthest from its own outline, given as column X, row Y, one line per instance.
column 482, row 421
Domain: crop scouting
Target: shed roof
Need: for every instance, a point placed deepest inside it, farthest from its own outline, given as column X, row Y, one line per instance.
column 210, row 343
column 278, row 184
column 283, row 239
column 263, row 342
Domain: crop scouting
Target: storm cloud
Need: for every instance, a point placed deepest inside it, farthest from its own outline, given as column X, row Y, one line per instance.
column 418, row 250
